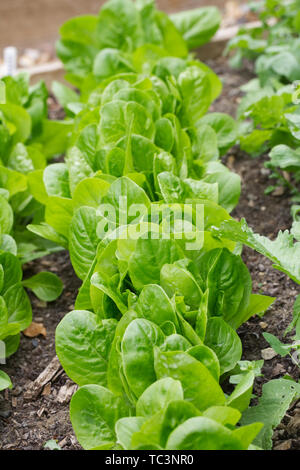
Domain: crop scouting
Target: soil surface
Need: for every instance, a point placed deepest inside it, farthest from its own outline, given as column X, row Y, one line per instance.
column 29, row 423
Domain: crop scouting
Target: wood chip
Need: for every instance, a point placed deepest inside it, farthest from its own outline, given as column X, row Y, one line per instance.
column 14, row 402
column 64, row 442
column 35, row 388
column 285, row 445
column 40, row 412
column 66, row 392
column 9, row 446
column 34, row 330
column 58, row 374
column 230, row 161
column 47, row 389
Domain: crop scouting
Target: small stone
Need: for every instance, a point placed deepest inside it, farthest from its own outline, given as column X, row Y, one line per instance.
column 278, row 191
column 278, row 370
column 274, row 291
column 263, row 325
column 35, row 342
column 38, row 319
column 41, row 303
column 268, row 354
column 265, row 171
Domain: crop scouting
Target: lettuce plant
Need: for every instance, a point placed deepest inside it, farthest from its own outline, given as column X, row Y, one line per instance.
column 5, row 381
column 151, row 371
column 155, row 305
column 269, row 113
column 274, row 45
column 92, row 47
column 143, row 106
column 23, row 129
column 170, row 325
column 284, row 252
column 140, row 127
column 148, row 123
column 16, row 314
column 15, row 307
column 163, row 418
column 27, row 140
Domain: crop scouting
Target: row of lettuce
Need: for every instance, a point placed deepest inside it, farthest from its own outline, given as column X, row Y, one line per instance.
column 152, row 342
column 24, row 135
column 269, row 114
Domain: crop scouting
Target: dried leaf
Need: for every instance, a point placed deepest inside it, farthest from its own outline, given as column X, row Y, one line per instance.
column 35, row 329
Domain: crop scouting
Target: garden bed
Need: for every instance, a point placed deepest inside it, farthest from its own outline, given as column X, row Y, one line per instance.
column 27, row 422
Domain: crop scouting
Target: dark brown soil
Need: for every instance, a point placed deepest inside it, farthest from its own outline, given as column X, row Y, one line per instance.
column 29, row 424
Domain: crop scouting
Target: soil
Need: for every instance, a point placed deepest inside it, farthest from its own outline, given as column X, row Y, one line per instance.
column 28, row 424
